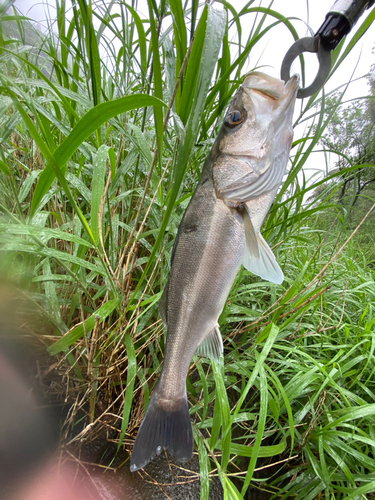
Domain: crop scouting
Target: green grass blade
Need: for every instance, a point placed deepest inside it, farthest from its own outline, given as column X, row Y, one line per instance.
column 130, row 381
column 192, row 70
column 263, row 389
column 222, row 398
column 362, row 490
column 68, row 340
column 269, row 333
column 100, row 167
column 204, row 463
column 88, row 124
column 158, row 83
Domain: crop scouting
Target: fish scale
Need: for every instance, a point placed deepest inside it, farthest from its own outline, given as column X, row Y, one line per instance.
column 219, row 231
column 196, row 280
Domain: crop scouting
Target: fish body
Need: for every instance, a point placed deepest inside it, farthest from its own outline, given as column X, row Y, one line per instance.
column 220, row 230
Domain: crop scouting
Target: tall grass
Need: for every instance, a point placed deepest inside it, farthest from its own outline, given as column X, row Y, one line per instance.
column 105, row 122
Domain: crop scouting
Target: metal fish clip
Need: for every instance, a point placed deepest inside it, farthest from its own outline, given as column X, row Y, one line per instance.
column 338, row 23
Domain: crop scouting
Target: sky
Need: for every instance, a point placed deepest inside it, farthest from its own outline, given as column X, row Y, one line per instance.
column 269, row 54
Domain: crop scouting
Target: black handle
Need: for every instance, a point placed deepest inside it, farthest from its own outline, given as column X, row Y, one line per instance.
column 340, row 20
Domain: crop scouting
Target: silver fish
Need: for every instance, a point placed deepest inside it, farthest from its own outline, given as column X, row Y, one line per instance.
column 220, row 230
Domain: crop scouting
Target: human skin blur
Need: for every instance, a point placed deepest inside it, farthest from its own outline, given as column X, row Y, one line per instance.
column 27, row 470
column 31, row 464
column 57, row 482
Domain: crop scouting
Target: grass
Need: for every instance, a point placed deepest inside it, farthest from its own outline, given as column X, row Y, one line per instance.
column 106, row 120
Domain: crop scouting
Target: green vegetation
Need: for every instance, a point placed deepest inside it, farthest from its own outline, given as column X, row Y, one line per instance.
column 351, row 135
column 105, row 122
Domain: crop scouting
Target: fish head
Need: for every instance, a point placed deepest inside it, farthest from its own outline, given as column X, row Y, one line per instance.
column 257, row 131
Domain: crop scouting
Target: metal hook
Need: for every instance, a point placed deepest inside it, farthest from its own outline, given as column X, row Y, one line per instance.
column 308, row 44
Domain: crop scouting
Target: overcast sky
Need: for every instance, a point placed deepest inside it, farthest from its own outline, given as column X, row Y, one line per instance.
column 270, row 52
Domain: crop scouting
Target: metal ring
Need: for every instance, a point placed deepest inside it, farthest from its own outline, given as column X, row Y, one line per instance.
column 308, row 44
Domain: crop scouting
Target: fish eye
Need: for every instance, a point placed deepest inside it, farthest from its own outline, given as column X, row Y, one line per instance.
column 234, row 118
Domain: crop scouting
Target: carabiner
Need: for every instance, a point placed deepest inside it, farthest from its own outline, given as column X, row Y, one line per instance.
column 308, row 44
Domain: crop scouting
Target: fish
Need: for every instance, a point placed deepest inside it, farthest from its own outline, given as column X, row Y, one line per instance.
column 219, row 232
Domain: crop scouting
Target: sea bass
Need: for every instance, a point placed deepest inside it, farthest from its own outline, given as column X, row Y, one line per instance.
column 219, row 231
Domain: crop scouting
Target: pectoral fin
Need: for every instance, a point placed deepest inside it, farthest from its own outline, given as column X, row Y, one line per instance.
column 265, row 265
column 251, row 238
column 259, row 258
column 212, row 346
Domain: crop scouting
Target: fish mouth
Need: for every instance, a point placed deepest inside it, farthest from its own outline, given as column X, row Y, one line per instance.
column 271, row 87
column 244, row 158
column 269, row 94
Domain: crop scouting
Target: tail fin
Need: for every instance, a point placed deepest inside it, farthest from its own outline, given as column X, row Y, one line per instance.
column 164, row 426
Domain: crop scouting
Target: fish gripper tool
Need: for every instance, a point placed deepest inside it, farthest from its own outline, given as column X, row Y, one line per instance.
column 338, row 23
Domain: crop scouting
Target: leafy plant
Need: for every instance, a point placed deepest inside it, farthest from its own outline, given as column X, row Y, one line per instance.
column 106, row 120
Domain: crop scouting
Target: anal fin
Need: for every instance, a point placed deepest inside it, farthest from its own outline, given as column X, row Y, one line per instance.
column 211, row 346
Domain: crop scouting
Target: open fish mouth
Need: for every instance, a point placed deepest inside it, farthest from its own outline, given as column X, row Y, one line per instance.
column 275, row 92
column 265, row 84
column 268, row 85
column 267, row 92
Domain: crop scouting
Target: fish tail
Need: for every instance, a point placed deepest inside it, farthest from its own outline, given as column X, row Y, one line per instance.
column 166, row 424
